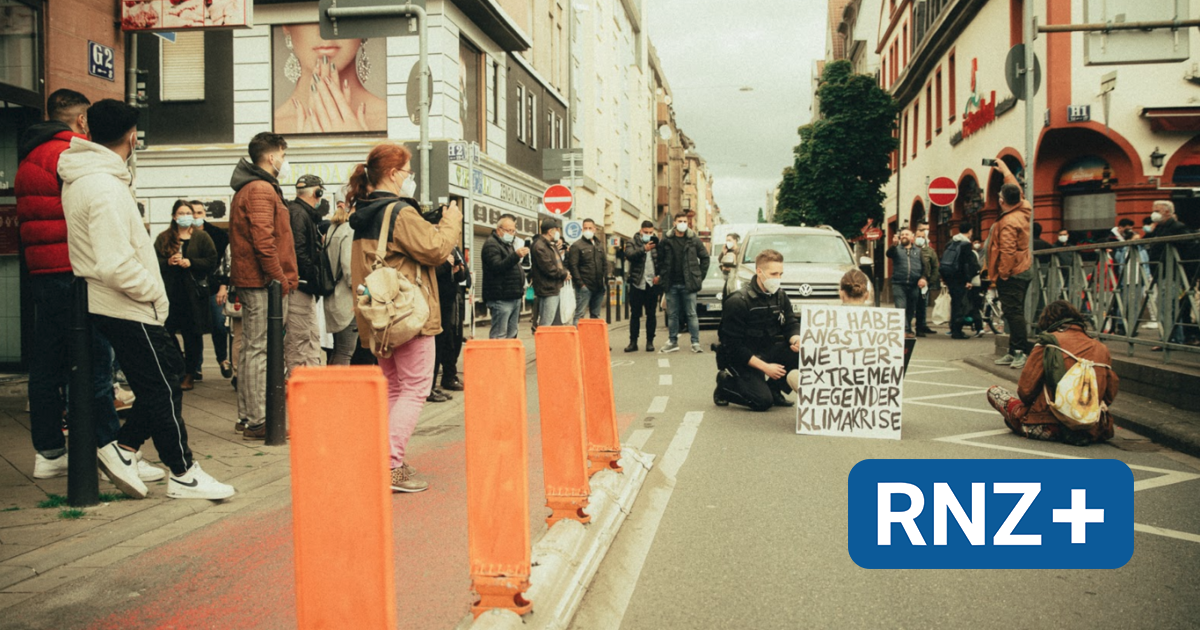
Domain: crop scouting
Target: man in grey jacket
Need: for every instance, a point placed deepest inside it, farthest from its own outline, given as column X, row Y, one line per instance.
column 908, row 276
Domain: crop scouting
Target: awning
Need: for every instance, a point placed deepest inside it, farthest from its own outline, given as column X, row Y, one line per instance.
column 1173, row 118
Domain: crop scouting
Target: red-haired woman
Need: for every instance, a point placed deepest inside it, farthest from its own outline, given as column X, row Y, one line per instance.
column 416, row 247
column 186, row 257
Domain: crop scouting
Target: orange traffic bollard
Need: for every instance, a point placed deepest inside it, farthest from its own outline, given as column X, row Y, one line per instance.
column 497, row 445
column 604, row 443
column 564, row 437
column 336, row 582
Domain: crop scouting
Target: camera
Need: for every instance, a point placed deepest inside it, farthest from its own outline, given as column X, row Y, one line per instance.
column 990, row 162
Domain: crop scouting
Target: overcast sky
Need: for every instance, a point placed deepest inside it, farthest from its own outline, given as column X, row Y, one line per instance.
column 709, row 50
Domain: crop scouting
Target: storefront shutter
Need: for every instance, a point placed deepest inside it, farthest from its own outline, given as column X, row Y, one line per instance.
column 183, row 67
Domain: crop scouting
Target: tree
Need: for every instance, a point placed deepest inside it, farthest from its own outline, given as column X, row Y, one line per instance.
column 842, row 161
column 761, row 218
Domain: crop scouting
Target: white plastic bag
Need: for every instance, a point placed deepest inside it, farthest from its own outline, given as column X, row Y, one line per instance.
column 941, row 307
column 566, row 303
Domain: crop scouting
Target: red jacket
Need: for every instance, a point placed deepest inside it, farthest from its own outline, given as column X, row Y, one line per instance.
column 39, row 197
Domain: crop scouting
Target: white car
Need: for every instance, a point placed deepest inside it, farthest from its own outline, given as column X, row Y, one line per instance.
column 814, row 261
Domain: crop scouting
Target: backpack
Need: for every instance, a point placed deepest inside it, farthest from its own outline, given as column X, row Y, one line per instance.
column 325, row 282
column 949, row 267
column 1076, row 402
column 395, row 308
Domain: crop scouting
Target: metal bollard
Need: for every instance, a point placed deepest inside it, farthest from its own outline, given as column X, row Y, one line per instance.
column 83, row 480
column 276, row 398
column 608, row 301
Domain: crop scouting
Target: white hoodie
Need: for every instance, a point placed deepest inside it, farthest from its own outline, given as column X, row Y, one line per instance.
column 108, row 243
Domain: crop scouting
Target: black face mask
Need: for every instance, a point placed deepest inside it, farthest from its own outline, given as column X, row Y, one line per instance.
column 323, row 208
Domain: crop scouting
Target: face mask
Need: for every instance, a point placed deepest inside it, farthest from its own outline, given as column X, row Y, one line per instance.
column 284, row 172
column 197, row 221
column 920, row 242
column 730, row 244
column 184, row 221
column 323, row 208
column 508, row 238
column 646, row 238
column 770, row 285
column 977, row 246
column 588, row 234
column 1063, row 239
column 555, row 237
column 1156, row 216
column 1148, row 229
column 681, row 227
column 409, row 188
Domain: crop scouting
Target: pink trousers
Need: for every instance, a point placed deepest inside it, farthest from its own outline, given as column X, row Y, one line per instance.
column 409, row 374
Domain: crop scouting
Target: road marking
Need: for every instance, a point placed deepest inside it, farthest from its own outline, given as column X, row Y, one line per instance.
column 609, row 595
column 929, row 404
column 909, row 380
column 622, row 363
column 664, row 379
column 664, row 363
column 952, row 395
column 924, row 372
column 658, row 405
column 638, row 438
column 1169, row 533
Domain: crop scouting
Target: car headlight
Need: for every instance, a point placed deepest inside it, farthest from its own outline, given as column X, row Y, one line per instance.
column 718, row 296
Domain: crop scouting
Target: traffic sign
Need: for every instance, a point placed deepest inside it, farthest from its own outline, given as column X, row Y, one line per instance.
column 872, row 234
column 942, row 191
column 572, row 230
column 1014, row 72
column 558, row 199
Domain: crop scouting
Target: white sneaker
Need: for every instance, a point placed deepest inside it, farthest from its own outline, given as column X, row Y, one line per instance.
column 197, row 484
column 121, row 467
column 46, row 468
column 146, row 472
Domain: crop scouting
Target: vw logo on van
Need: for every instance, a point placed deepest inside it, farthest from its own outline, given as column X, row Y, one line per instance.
column 805, row 290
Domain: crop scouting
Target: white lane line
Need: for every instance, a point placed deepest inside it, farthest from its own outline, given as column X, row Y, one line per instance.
column 951, row 395
column 909, row 380
column 1169, row 533
column 664, row 363
column 612, row 589
column 929, row 404
column 658, row 405
column 664, row 379
column 923, row 372
column 638, row 438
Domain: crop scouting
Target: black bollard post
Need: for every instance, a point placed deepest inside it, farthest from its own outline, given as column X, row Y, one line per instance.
column 83, row 480
column 608, row 296
column 276, row 413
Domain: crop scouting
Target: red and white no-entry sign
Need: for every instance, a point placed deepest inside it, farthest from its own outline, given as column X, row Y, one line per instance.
column 942, row 191
column 557, row 199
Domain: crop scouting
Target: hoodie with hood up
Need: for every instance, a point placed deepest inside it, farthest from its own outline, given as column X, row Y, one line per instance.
column 39, row 197
column 260, row 231
column 108, row 242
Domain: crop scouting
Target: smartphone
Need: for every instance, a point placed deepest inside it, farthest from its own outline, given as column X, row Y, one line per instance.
column 989, row 162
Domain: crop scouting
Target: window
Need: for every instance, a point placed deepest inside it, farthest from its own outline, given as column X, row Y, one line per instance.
column 496, row 92
column 939, row 100
column 531, row 120
column 883, row 75
column 905, row 44
column 550, row 139
column 558, row 132
column 916, row 126
column 21, row 46
column 953, row 106
column 470, row 92
column 520, row 113
column 928, row 114
column 904, row 137
column 182, row 65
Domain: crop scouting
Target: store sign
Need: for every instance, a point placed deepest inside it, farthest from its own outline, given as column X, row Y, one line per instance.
column 980, row 116
column 182, row 15
column 486, row 185
column 101, row 61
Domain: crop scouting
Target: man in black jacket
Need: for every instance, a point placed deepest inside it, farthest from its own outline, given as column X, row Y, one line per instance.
column 547, row 271
column 588, row 264
column 503, row 278
column 760, row 335
column 960, row 266
column 642, row 285
column 450, row 275
column 302, row 343
column 683, row 261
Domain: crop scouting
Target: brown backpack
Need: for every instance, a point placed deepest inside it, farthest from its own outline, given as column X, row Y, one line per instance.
column 395, row 307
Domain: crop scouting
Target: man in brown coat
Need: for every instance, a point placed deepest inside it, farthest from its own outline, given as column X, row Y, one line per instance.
column 1010, row 264
column 262, row 250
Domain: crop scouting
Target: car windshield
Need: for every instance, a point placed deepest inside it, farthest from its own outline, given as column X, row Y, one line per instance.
column 714, row 270
column 799, row 248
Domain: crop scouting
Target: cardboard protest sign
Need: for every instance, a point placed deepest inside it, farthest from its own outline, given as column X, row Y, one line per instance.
column 851, row 371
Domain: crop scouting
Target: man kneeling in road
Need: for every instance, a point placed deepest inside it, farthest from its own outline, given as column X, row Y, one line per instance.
column 760, row 337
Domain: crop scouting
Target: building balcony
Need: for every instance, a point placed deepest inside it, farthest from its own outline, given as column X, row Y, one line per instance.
column 664, row 153
column 664, row 114
column 664, row 196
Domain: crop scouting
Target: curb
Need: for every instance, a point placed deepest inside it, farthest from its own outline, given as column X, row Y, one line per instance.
column 567, row 556
column 1166, row 425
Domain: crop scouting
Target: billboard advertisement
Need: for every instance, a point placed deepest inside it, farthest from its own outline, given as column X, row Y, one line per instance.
column 181, row 15
column 325, row 86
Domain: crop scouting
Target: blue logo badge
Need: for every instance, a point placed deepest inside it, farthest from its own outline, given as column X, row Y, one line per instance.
column 991, row 514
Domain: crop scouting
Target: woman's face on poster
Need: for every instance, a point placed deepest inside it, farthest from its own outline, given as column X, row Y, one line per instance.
column 310, row 49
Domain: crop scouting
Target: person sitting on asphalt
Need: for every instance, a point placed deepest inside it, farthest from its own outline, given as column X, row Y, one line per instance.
column 855, row 290
column 1028, row 413
column 759, row 336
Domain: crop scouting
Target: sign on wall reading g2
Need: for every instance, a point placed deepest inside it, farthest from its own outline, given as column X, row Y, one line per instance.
column 990, row 514
column 101, row 61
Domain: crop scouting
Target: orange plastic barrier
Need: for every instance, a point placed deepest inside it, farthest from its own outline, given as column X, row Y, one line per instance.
column 564, row 437
column 497, row 445
column 338, row 582
column 604, row 443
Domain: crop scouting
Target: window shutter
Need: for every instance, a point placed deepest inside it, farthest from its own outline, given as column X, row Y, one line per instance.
column 182, row 67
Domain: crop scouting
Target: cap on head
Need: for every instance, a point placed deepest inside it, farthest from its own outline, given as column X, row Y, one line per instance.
column 309, row 181
column 109, row 121
column 548, row 224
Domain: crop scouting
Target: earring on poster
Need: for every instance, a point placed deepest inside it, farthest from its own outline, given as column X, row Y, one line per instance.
column 362, row 63
column 291, row 69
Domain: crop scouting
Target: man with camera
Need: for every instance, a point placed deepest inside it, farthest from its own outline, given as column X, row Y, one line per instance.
column 1010, row 264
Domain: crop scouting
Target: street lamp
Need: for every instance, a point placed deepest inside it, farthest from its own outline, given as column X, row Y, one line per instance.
column 1156, row 158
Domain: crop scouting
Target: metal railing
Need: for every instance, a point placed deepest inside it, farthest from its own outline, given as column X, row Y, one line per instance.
column 1140, row 292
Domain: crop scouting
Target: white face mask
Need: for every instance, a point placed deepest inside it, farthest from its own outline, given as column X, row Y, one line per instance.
column 770, row 285
column 588, row 234
column 284, row 172
column 555, row 236
column 920, row 242
column 1156, row 216
column 681, row 227
column 977, row 246
column 1063, row 239
column 646, row 237
column 409, row 188
column 730, row 244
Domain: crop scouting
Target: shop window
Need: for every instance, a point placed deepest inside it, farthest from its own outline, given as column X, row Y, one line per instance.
column 470, row 85
column 1088, row 201
column 182, row 67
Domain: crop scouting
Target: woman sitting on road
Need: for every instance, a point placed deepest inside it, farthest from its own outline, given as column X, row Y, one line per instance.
column 1029, row 414
column 855, row 289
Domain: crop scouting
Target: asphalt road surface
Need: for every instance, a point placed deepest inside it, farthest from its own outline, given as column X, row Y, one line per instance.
column 742, row 523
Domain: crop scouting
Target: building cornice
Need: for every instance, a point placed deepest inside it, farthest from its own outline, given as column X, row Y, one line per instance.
column 893, row 20
column 942, row 36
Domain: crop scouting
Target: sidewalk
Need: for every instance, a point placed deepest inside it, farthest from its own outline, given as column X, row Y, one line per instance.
column 42, row 549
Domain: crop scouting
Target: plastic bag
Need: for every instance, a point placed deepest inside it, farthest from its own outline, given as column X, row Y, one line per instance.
column 941, row 307
column 566, row 303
